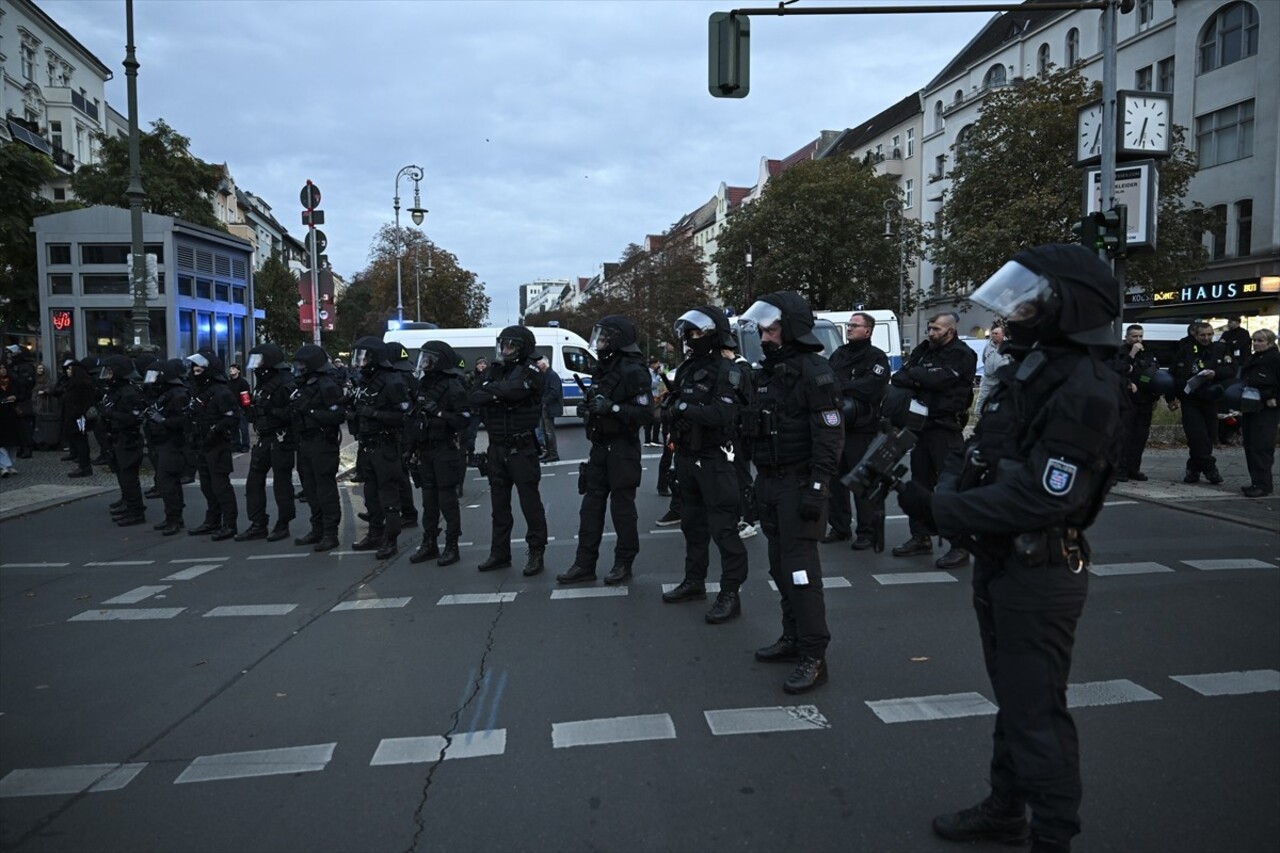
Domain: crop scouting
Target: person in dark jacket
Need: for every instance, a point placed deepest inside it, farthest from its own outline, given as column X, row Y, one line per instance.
column 862, row 369
column 276, row 447
column 439, row 419
column 22, row 374
column 615, row 410
column 10, row 423
column 472, row 380
column 239, row 386
column 552, row 408
column 1035, row 475
column 1235, row 342
column 215, row 418
column 167, row 418
column 1145, row 384
column 318, row 409
column 406, row 366
column 939, row 375
column 1261, row 415
column 78, row 396
column 1199, row 376
column 122, row 408
column 380, row 404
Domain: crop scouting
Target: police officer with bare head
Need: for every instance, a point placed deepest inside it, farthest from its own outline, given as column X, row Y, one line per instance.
column 616, row 408
column 276, row 447
column 797, row 434
column 122, row 407
column 701, row 410
column 1034, row 477
column 379, row 408
column 318, row 409
column 167, row 417
column 438, row 423
column 508, row 398
column 215, row 418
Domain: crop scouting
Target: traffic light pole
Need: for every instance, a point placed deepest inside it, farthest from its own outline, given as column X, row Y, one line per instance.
column 136, row 196
column 1110, row 127
column 315, row 289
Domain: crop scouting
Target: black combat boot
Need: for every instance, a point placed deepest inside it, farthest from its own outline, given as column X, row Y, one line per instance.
column 728, row 605
column 309, row 539
column 130, row 520
column 327, row 542
column 955, row 558
column 1192, row 475
column 494, row 562
column 223, row 534
column 206, row 527
column 172, row 526
column 1212, row 475
column 388, row 549
column 913, row 546
column 281, row 531
column 116, row 504
column 783, row 651
column 372, row 541
column 576, row 574
column 620, row 573
column 808, row 674
column 254, row 531
column 687, row 591
column 428, row 550
column 534, row 564
column 994, row 819
column 449, row 555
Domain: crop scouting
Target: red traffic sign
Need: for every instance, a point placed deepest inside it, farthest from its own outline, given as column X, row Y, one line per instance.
column 310, row 196
column 320, row 239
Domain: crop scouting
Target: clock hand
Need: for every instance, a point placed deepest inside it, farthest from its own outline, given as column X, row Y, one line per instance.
column 1097, row 136
column 1143, row 133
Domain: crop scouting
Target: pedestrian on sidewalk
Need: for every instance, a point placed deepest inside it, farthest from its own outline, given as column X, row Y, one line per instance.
column 1262, row 372
column 1199, row 371
column 78, row 396
column 10, row 425
column 552, row 408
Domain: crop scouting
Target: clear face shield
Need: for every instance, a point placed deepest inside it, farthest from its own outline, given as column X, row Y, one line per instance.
column 255, row 361
column 108, row 373
column 692, row 325
column 599, row 343
column 762, row 316
column 299, row 370
column 198, row 364
column 152, row 377
column 427, row 361
column 1016, row 293
column 507, row 350
column 361, row 359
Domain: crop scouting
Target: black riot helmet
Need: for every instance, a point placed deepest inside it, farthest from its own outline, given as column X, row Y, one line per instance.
column 310, row 359
column 439, row 357
column 1055, row 293
column 173, row 372
column 515, row 344
column 264, row 358
column 614, row 335
column 92, row 365
column 398, row 356
column 206, row 367
column 787, row 309
column 704, row 330
column 143, row 363
column 118, row 369
column 369, row 354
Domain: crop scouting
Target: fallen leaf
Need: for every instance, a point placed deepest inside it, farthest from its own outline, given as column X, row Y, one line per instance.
column 81, row 597
column 281, row 695
column 919, row 659
column 199, row 663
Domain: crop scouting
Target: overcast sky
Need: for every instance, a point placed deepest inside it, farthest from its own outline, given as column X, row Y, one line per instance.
column 551, row 134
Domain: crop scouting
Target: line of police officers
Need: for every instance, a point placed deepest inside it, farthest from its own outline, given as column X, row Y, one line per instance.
column 1019, row 494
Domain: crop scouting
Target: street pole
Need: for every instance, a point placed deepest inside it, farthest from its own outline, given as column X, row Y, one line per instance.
column 315, row 290
column 1110, row 123
column 136, row 196
column 414, row 173
column 748, row 305
column 417, row 285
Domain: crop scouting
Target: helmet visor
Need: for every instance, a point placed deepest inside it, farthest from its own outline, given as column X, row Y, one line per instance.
column 600, row 339
column 362, row 359
column 761, row 315
column 255, row 361
column 427, row 360
column 108, row 372
column 1016, row 293
column 507, row 349
column 694, row 324
column 152, row 377
column 198, row 360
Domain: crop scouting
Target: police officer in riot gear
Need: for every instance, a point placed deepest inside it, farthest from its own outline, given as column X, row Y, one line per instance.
column 509, row 401
column 146, row 365
column 406, row 366
column 616, row 407
column 1199, row 370
column 797, row 431
column 318, row 409
column 167, row 429
column 275, row 448
column 215, row 417
column 379, row 407
column 1034, row 477
column 122, row 408
column 702, row 410
column 438, row 423
column 862, row 369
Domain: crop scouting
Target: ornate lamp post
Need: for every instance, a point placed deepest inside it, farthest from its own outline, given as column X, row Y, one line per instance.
column 136, row 196
column 417, row 212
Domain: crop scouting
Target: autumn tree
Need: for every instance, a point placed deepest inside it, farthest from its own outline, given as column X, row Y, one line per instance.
column 22, row 174
column 818, row 229
column 176, row 182
column 275, row 290
column 1015, row 184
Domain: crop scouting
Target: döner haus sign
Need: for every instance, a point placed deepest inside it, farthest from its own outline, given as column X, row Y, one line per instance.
column 1218, row 291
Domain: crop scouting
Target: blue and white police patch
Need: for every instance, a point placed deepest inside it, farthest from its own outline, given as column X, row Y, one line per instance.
column 878, row 370
column 831, row 417
column 1059, row 477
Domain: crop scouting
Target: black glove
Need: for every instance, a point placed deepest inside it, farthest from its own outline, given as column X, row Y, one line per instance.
column 430, row 408
column 582, row 410
column 917, row 502
column 813, row 500
column 601, row 404
column 157, row 417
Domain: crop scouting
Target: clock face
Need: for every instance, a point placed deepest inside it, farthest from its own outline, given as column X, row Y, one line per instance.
column 1146, row 125
column 1089, row 132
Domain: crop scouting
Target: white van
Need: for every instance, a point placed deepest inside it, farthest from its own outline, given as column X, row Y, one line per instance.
column 566, row 350
column 749, row 339
column 886, row 335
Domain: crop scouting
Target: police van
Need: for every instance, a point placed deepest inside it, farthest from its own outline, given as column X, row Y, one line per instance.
column 566, row 350
column 748, row 336
column 886, row 335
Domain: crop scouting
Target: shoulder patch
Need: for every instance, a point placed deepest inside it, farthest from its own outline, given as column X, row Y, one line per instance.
column 735, row 378
column 1059, row 476
column 831, row 417
column 878, row 370
column 825, row 379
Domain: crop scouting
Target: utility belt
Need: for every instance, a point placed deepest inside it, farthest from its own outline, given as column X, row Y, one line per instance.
column 270, row 438
column 698, row 438
column 371, row 440
column 1047, row 547
column 329, row 434
column 519, row 441
column 786, row 469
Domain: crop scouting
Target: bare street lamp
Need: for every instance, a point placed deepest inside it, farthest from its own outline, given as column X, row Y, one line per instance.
column 417, row 212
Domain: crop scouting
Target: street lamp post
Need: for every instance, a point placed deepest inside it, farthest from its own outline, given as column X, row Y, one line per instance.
column 136, row 196
column 748, row 275
column 416, row 212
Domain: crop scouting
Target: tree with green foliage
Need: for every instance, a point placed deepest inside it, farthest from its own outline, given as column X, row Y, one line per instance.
column 353, row 306
column 275, row 291
column 23, row 173
column 1015, row 184
column 818, row 228
column 176, row 182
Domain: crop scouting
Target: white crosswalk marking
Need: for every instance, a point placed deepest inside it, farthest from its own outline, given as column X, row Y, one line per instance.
column 914, row 709
column 252, row 610
column 138, row 615
column 371, row 604
column 1106, row 569
column 32, row 565
column 277, row 556
column 192, row 572
column 1218, row 565
column 835, row 582
column 201, row 560
column 589, row 592
column 424, row 750
column 478, row 598
column 745, row 721
column 123, row 563
column 612, row 730
column 260, row 762
column 1118, row 692
column 1232, row 683
column 896, row 578
column 133, row 596
column 42, row 781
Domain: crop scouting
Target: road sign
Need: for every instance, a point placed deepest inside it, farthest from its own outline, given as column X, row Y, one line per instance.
column 321, row 240
column 310, row 196
column 313, row 217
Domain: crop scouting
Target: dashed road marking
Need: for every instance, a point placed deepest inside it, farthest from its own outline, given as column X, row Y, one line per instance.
column 133, row 596
column 252, row 610
column 1107, row 569
column 478, row 598
column 33, row 565
column 589, row 592
column 424, row 750
column 914, row 709
column 834, row 582
column 123, row 563
column 897, row 578
column 201, row 560
column 744, row 721
column 138, row 615
column 276, row 556
column 192, row 572
column 612, row 730
column 1217, row 565
column 73, row 779
column 261, row 762
column 371, row 604
column 1119, row 691
column 1232, row 683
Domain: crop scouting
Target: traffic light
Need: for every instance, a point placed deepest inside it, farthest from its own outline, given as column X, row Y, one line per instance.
column 1086, row 230
column 729, row 54
column 1113, row 230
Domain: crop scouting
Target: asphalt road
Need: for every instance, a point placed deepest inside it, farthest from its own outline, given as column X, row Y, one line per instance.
column 358, row 705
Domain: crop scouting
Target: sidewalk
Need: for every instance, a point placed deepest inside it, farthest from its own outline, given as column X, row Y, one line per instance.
column 1165, row 468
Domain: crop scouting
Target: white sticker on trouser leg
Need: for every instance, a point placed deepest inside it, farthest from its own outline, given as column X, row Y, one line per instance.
column 800, row 578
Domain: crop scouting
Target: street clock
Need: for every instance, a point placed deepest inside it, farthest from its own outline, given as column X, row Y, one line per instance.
column 1089, row 133
column 1146, row 124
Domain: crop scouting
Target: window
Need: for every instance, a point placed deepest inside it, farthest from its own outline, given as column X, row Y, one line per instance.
column 28, row 63
column 238, row 295
column 1073, row 46
column 241, row 345
column 911, row 141
column 896, row 145
column 938, row 122
column 1225, row 135
column 55, row 133
column 186, row 329
column 1142, row 79
column 578, row 360
column 1244, row 228
column 221, row 292
column 1042, row 60
column 1218, row 233
column 60, row 283
column 204, row 329
column 101, row 285
column 908, row 193
column 108, row 332
column 995, row 77
column 184, row 285
column 1229, row 36
column 59, row 194
column 221, row 345
column 939, row 167
column 1146, row 11
column 962, row 139
column 204, row 288
column 104, row 253
column 1164, row 75
column 959, row 98
column 59, row 253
